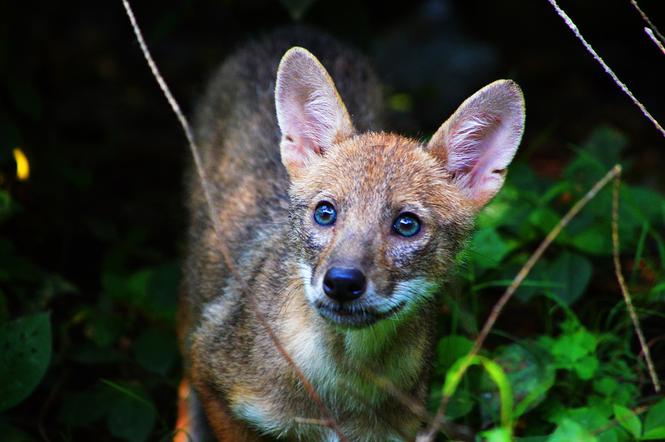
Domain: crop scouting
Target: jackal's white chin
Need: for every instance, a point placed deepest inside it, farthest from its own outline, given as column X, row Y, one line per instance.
column 354, row 315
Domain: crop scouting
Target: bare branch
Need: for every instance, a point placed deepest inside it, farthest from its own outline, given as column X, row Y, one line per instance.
column 653, row 38
column 569, row 22
column 652, row 27
column 624, row 288
column 439, row 418
column 218, row 230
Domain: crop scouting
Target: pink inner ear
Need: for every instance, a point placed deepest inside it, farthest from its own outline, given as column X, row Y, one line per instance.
column 309, row 111
column 480, row 139
column 311, row 117
column 495, row 152
column 468, row 144
column 300, row 132
column 479, row 146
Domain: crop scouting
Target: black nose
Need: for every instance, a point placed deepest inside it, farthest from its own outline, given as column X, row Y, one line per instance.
column 344, row 285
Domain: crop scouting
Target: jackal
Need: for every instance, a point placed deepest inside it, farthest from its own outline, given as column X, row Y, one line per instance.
column 342, row 236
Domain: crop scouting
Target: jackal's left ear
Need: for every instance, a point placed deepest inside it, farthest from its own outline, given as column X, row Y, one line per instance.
column 310, row 112
column 478, row 142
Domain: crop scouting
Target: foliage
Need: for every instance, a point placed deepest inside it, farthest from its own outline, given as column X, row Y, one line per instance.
column 565, row 368
column 90, row 353
column 114, row 353
column 575, row 374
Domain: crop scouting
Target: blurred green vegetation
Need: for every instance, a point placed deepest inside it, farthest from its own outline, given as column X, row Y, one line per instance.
column 567, row 345
column 90, row 241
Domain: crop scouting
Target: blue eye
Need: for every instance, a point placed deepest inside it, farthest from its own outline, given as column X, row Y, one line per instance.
column 406, row 225
column 325, row 214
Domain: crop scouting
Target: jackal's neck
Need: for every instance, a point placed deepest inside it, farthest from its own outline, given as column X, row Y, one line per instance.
column 390, row 352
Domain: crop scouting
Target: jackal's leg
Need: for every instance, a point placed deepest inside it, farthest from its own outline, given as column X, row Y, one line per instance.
column 216, row 423
column 191, row 425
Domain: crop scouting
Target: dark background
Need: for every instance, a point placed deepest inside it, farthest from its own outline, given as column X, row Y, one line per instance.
column 107, row 154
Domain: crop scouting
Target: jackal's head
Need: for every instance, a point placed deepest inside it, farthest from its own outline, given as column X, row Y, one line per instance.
column 378, row 218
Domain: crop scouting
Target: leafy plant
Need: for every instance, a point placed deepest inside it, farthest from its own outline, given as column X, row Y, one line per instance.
column 99, row 361
column 576, row 375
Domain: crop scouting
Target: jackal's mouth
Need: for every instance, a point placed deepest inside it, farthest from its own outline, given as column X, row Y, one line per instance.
column 354, row 315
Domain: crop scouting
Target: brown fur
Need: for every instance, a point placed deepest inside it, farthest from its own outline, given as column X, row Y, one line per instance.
column 245, row 387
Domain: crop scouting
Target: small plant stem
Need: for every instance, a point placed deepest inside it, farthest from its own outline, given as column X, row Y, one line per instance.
column 624, row 288
column 651, row 26
column 653, row 38
column 569, row 22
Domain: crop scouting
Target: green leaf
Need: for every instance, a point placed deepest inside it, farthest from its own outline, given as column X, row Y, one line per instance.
column 595, row 240
column 496, row 435
column 539, row 273
column 628, row 420
column 530, row 375
column 495, row 372
column 657, row 292
column 461, row 403
column 654, row 423
column 611, row 390
column 657, row 433
column 606, row 385
column 544, row 218
column 25, row 352
column 644, row 203
column 131, row 414
column 488, row 248
column 571, row 347
column 573, row 273
column 156, row 350
column 590, row 417
column 449, row 350
column 569, row 430
column 586, row 367
column 104, row 328
column 85, row 407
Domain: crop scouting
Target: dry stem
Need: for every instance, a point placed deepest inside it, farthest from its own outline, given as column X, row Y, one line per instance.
column 624, row 288
column 653, row 38
column 652, row 27
column 569, row 22
column 217, row 227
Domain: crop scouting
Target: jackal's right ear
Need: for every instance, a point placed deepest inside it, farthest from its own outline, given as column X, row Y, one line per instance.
column 310, row 112
column 478, row 142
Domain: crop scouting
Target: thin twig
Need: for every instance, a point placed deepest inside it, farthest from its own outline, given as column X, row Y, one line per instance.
column 653, row 38
column 648, row 22
column 439, row 418
column 569, row 22
column 624, row 288
column 218, row 229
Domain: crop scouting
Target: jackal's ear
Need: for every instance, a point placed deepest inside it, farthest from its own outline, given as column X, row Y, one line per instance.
column 478, row 142
column 310, row 112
